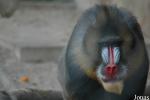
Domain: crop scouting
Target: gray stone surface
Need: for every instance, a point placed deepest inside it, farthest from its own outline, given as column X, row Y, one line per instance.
column 8, row 53
column 39, row 25
column 41, row 76
column 40, row 54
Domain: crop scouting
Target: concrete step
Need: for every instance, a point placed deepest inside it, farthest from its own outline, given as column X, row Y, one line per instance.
column 39, row 76
column 41, row 24
column 37, row 31
column 40, row 55
column 36, row 25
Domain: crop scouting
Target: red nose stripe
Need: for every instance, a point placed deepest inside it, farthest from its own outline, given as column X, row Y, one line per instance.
column 111, row 55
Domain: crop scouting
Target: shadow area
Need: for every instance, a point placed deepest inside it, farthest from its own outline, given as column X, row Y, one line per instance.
column 31, row 95
column 39, row 95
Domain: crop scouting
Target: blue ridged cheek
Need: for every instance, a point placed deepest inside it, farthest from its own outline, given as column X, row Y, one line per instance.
column 105, row 55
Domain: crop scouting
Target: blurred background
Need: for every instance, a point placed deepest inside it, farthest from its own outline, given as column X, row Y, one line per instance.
column 33, row 33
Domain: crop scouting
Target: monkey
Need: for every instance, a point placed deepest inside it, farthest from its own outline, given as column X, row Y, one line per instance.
column 105, row 58
column 8, row 7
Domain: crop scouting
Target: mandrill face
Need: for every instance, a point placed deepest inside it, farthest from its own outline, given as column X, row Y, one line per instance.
column 111, row 71
column 105, row 55
column 110, row 52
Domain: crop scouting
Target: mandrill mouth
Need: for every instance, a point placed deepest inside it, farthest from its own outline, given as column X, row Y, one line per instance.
column 110, row 80
column 113, row 82
column 112, row 76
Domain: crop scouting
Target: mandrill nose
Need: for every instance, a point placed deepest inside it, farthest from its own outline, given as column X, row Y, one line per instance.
column 111, row 70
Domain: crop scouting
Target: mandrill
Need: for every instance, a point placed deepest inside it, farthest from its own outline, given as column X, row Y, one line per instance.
column 105, row 58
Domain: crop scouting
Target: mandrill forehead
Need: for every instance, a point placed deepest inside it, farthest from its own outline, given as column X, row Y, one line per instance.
column 102, row 37
column 110, row 32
